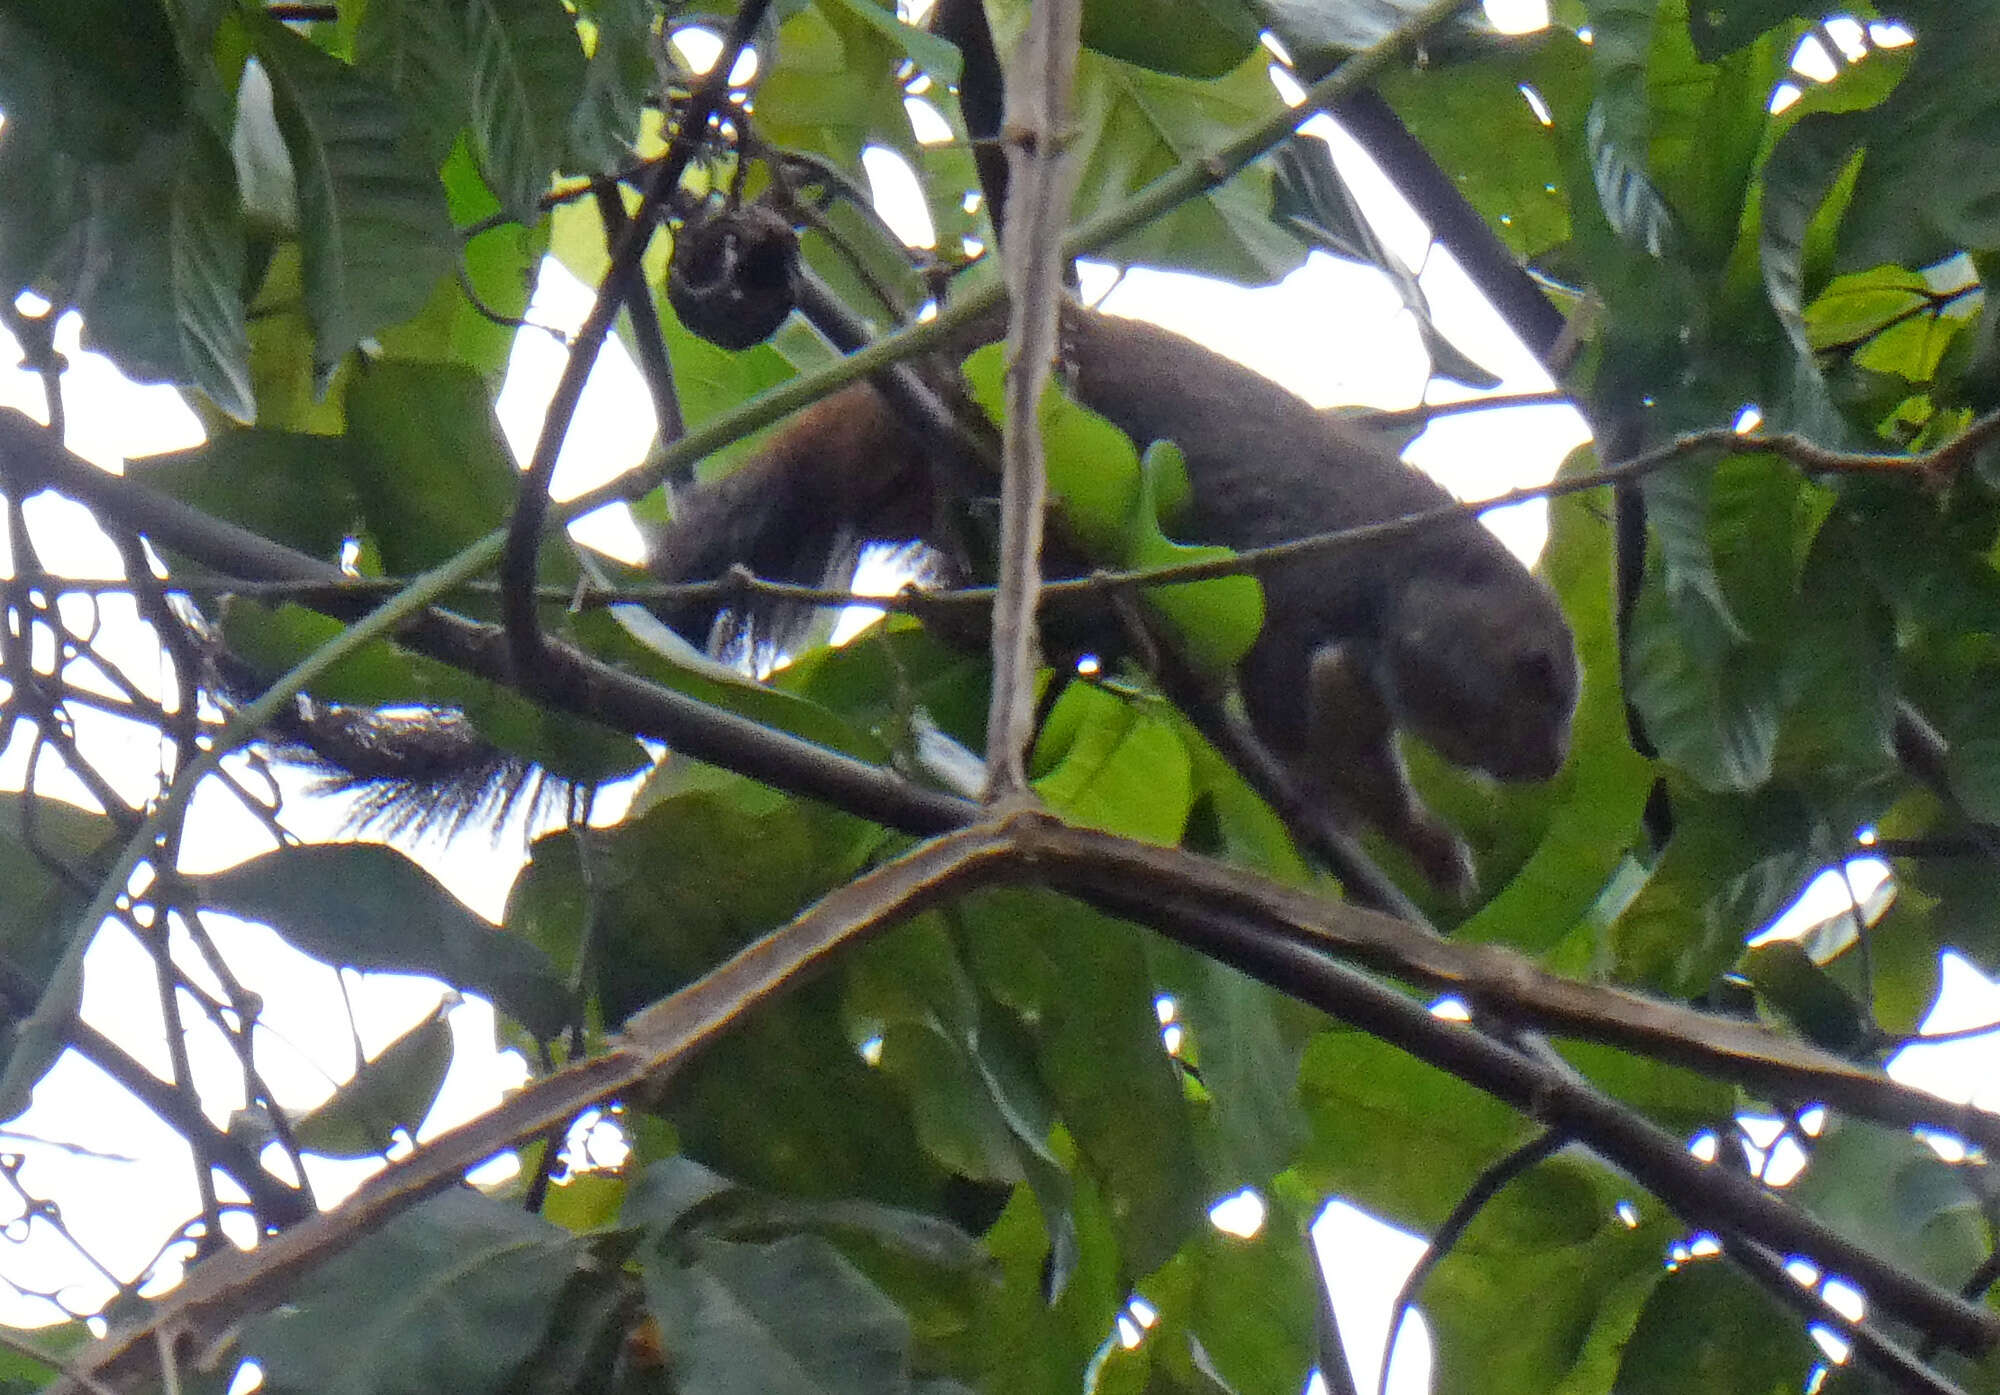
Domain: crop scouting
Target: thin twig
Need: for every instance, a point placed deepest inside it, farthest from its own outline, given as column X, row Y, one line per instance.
column 1484, row 1188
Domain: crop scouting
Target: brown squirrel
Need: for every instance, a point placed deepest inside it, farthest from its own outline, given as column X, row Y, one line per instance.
column 1439, row 632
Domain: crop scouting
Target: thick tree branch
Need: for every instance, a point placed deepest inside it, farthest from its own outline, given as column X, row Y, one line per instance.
column 1235, row 917
column 219, row 1294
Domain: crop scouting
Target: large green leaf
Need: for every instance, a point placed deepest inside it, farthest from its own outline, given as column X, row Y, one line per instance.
column 371, row 212
column 1930, row 184
column 1374, row 1114
column 714, row 863
column 1544, row 1289
column 1892, row 1193
column 787, row 1318
column 1476, row 123
column 501, row 264
column 1734, row 862
column 390, row 1094
column 1317, row 34
column 1134, row 125
column 604, row 128
column 49, row 852
column 968, row 1066
column 430, row 468
column 98, row 76
column 1191, row 38
column 365, row 906
column 170, row 306
column 1235, row 1313
column 526, row 68
column 1026, row 1341
column 454, row 1294
column 418, row 50
column 1079, row 979
column 1707, row 1327
column 290, row 487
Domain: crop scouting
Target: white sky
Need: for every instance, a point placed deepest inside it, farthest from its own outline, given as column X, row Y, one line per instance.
column 1283, row 331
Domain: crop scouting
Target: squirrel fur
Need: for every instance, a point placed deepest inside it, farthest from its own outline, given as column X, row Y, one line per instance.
column 1441, row 632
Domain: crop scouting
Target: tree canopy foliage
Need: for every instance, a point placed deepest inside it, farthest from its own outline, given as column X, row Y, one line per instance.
column 920, row 1132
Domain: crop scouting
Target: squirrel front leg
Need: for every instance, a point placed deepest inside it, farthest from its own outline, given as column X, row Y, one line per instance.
column 1324, row 715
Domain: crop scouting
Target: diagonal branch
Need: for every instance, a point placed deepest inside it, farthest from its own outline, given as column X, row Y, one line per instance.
column 1233, row 917
column 219, row 1294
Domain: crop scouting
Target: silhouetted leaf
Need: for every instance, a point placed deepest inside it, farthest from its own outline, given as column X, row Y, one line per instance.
column 369, row 907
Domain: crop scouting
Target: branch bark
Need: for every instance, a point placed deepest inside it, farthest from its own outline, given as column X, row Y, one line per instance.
column 1036, row 135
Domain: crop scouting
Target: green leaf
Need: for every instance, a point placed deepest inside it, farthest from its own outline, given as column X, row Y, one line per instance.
column 1706, row 1326
column 418, row 49
column 1317, row 34
column 604, row 128
column 1078, row 979
column 1134, row 125
column 1374, row 1114
column 1245, row 1039
column 371, row 212
column 1719, row 724
column 170, row 307
column 1892, row 1193
column 1218, row 620
column 1808, row 997
column 1718, row 28
column 714, row 863
column 24, row 1372
column 788, row 1318
column 391, row 1093
column 1022, row 1340
column 1477, row 124
column 1237, row 1314
column 681, row 1203
column 1734, row 862
column 500, row 264
column 1803, row 168
column 1930, row 184
column 51, row 854
column 1544, row 1289
column 97, row 75
column 526, row 68
column 1109, row 764
column 1117, row 507
column 369, row 907
column 430, row 468
column 1189, row 38
column 454, row 1294
column 931, row 54
column 287, row 486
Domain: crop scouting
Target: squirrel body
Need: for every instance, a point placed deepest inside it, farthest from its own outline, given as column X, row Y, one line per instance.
column 1440, row 632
